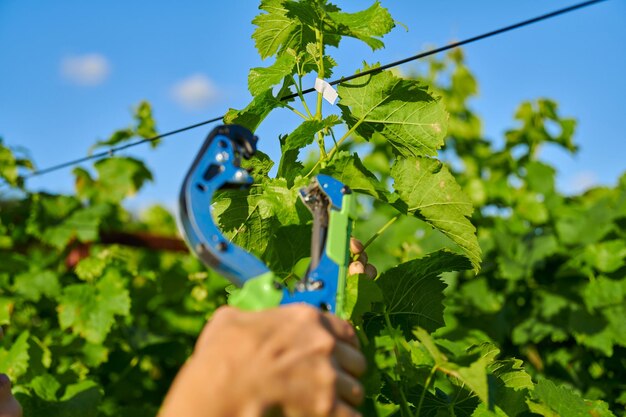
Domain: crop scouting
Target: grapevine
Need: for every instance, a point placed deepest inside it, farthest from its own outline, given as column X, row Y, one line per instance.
column 496, row 297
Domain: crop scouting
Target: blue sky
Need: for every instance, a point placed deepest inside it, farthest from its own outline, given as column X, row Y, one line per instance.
column 71, row 71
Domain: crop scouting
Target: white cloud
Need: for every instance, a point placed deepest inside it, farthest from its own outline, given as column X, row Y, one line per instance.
column 195, row 92
column 88, row 69
column 582, row 181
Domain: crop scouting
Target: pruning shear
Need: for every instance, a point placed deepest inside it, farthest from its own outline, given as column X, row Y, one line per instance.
column 218, row 166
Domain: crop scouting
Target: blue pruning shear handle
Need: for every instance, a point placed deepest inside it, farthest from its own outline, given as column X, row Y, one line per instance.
column 218, row 166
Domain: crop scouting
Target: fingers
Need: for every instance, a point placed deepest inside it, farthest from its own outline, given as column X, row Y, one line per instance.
column 5, row 388
column 344, row 410
column 350, row 359
column 341, row 329
column 349, row 389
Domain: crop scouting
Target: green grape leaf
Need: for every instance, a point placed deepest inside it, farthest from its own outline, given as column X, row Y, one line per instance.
column 367, row 25
column 6, row 242
column 90, row 268
column 82, row 224
column 79, row 400
column 90, row 310
column 428, row 190
column 83, row 183
column 292, row 25
column 405, row 112
column 602, row 330
column 117, row 137
column 540, row 177
column 604, row 292
column 349, row 169
column 530, row 207
column 480, row 296
column 474, row 377
column 10, row 165
column 591, row 331
column 483, row 410
column 33, row 285
column 463, row 82
column 14, row 361
column 45, row 387
column 518, row 257
column 586, row 225
column 145, row 127
column 454, row 401
column 309, row 61
column 260, row 164
column 279, row 29
column 288, row 167
column 607, row 256
column 392, row 355
column 262, row 79
column 120, row 177
column 157, row 219
column 246, row 219
column 533, row 330
column 48, row 210
column 361, row 294
column 305, row 133
column 95, row 354
column 286, row 247
column 551, row 400
column 255, row 112
column 535, row 131
column 427, row 341
column 413, row 292
column 501, row 383
column 510, row 388
column 249, row 218
column 6, row 307
column 551, row 304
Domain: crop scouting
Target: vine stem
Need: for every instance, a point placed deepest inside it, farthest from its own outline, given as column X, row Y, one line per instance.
column 320, row 74
column 381, row 230
column 428, row 381
column 344, row 137
column 320, row 141
column 293, row 109
column 336, row 147
column 404, row 404
column 298, row 86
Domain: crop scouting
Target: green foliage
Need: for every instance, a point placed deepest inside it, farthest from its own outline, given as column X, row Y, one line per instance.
column 10, row 165
column 106, row 335
column 551, row 289
column 428, row 190
column 144, row 127
column 100, row 329
column 403, row 111
column 89, row 310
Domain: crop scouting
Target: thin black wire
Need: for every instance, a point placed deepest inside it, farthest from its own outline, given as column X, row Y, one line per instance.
column 455, row 45
column 113, row 150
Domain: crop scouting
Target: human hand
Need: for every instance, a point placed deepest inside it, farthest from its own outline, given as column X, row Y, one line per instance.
column 360, row 265
column 293, row 361
column 9, row 407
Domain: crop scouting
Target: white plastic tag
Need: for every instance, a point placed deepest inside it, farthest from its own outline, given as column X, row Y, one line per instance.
column 327, row 90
